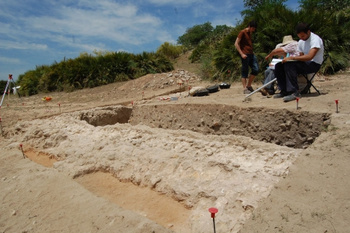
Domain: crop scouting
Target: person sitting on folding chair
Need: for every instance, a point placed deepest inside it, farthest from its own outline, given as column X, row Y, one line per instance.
column 311, row 51
column 288, row 47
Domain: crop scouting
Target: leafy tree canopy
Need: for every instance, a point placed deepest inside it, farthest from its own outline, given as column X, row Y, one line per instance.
column 253, row 4
column 324, row 5
column 195, row 34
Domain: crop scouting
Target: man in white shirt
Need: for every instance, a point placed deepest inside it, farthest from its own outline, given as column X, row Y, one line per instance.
column 310, row 59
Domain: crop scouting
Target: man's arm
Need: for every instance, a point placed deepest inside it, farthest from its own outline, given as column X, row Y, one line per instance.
column 238, row 40
column 303, row 57
column 278, row 51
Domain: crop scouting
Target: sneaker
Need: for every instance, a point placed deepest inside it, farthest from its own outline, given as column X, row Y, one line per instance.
column 250, row 89
column 278, row 95
column 246, row 91
column 291, row 97
column 264, row 92
column 271, row 92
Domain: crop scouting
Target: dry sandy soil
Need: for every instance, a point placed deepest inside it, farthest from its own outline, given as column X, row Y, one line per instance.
column 145, row 156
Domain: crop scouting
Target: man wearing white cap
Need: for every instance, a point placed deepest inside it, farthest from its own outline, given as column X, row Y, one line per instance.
column 309, row 61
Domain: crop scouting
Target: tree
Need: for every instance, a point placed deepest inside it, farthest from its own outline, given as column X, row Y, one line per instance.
column 169, row 50
column 330, row 19
column 274, row 21
column 324, row 5
column 253, row 4
column 195, row 34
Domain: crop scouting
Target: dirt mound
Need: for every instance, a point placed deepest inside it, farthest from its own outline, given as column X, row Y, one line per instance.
column 178, row 79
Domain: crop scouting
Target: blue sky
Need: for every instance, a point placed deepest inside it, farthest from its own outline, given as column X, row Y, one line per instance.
column 40, row 32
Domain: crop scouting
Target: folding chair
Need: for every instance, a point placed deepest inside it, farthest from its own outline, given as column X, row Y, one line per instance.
column 307, row 89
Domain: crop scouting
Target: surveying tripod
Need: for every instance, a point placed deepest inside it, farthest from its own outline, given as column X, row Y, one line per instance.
column 7, row 88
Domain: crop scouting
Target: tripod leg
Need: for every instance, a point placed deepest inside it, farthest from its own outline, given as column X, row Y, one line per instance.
column 3, row 96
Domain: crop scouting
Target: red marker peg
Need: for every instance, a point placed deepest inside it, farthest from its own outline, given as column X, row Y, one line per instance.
column 59, row 106
column 213, row 211
column 297, row 99
column 2, row 133
column 336, row 105
column 21, row 147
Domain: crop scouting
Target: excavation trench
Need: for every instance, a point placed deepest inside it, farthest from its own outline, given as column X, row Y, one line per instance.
column 191, row 171
column 282, row 127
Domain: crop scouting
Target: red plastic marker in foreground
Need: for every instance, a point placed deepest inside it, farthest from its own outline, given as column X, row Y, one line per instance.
column 336, row 104
column 297, row 99
column 21, row 147
column 213, row 211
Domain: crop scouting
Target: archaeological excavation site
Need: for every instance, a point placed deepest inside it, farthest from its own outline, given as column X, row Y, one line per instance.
column 148, row 157
column 171, row 162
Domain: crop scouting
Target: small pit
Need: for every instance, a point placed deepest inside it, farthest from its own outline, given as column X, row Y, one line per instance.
column 107, row 116
column 39, row 157
column 142, row 200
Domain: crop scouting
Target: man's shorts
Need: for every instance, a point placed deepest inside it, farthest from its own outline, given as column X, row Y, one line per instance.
column 252, row 62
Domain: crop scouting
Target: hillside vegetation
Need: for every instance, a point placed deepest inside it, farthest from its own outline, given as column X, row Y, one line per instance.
column 210, row 49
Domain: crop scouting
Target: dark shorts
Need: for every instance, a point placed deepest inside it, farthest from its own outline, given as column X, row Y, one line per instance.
column 252, row 62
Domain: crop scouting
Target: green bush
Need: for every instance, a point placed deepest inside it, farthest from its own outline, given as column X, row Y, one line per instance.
column 195, row 35
column 87, row 71
column 170, row 51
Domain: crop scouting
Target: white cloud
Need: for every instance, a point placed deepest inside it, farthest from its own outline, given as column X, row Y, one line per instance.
column 102, row 20
column 98, row 24
column 7, row 60
column 6, row 44
column 175, row 2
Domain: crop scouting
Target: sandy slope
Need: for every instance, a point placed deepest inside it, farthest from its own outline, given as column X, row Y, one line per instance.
column 160, row 179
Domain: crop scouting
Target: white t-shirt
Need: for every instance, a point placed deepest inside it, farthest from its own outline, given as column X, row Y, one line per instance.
column 314, row 41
